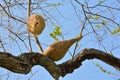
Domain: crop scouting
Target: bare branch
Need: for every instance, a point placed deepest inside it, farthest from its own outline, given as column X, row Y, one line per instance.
column 18, row 37
column 38, row 44
column 29, row 10
column 98, row 14
column 2, row 45
column 11, row 15
column 24, row 62
column 103, row 17
column 70, row 65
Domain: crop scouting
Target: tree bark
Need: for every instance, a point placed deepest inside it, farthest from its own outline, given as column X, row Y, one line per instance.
column 24, row 62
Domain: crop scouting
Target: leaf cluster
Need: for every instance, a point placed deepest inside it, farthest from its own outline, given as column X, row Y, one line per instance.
column 56, row 32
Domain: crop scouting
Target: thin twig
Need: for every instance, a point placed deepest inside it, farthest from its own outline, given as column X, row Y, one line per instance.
column 98, row 14
column 38, row 44
column 18, row 45
column 11, row 15
column 92, row 26
column 83, row 27
column 29, row 10
column 32, row 75
column 2, row 45
column 84, row 11
column 103, row 17
column 17, row 37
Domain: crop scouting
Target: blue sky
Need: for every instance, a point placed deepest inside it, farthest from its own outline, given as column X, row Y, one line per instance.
column 64, row 16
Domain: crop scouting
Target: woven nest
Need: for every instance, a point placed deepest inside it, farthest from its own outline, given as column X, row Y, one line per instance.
column 36, row 24
column 57, row 50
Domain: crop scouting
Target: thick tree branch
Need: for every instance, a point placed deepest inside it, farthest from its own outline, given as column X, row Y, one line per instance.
column 70, row 65
column 24, row 62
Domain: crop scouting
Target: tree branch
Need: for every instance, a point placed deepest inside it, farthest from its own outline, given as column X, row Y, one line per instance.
column 3, row 8
column 29, row 12
column 70, row 65
column 24, row 62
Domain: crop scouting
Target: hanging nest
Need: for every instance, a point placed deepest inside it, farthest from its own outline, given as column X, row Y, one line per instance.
column 57, row 50
column 35, row 24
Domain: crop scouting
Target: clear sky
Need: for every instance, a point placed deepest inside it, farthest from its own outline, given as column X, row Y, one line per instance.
column 64, row 16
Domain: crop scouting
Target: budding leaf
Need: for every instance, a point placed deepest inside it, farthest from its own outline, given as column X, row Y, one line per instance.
column 56, row 4
column 56, row 32
column 104, row 22
column 116, row 30
column 98, row 26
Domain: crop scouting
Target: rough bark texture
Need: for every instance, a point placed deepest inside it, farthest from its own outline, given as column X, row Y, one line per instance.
column 70, row 65
column 24, row 62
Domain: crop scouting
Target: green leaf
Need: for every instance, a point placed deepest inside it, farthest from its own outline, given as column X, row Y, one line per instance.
column 98, row 26
column 100, row 1
column 52, row 23
column 11, row 38
column 116, row 30
column 109, row 73
column 52, row 35
column 56, row 32
column 1, row 78
column 104, row 22
column 91, row 17
column 103, row 70
column 96, row 17
column 97, row 64
column 54, row 5
column 109, row 8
